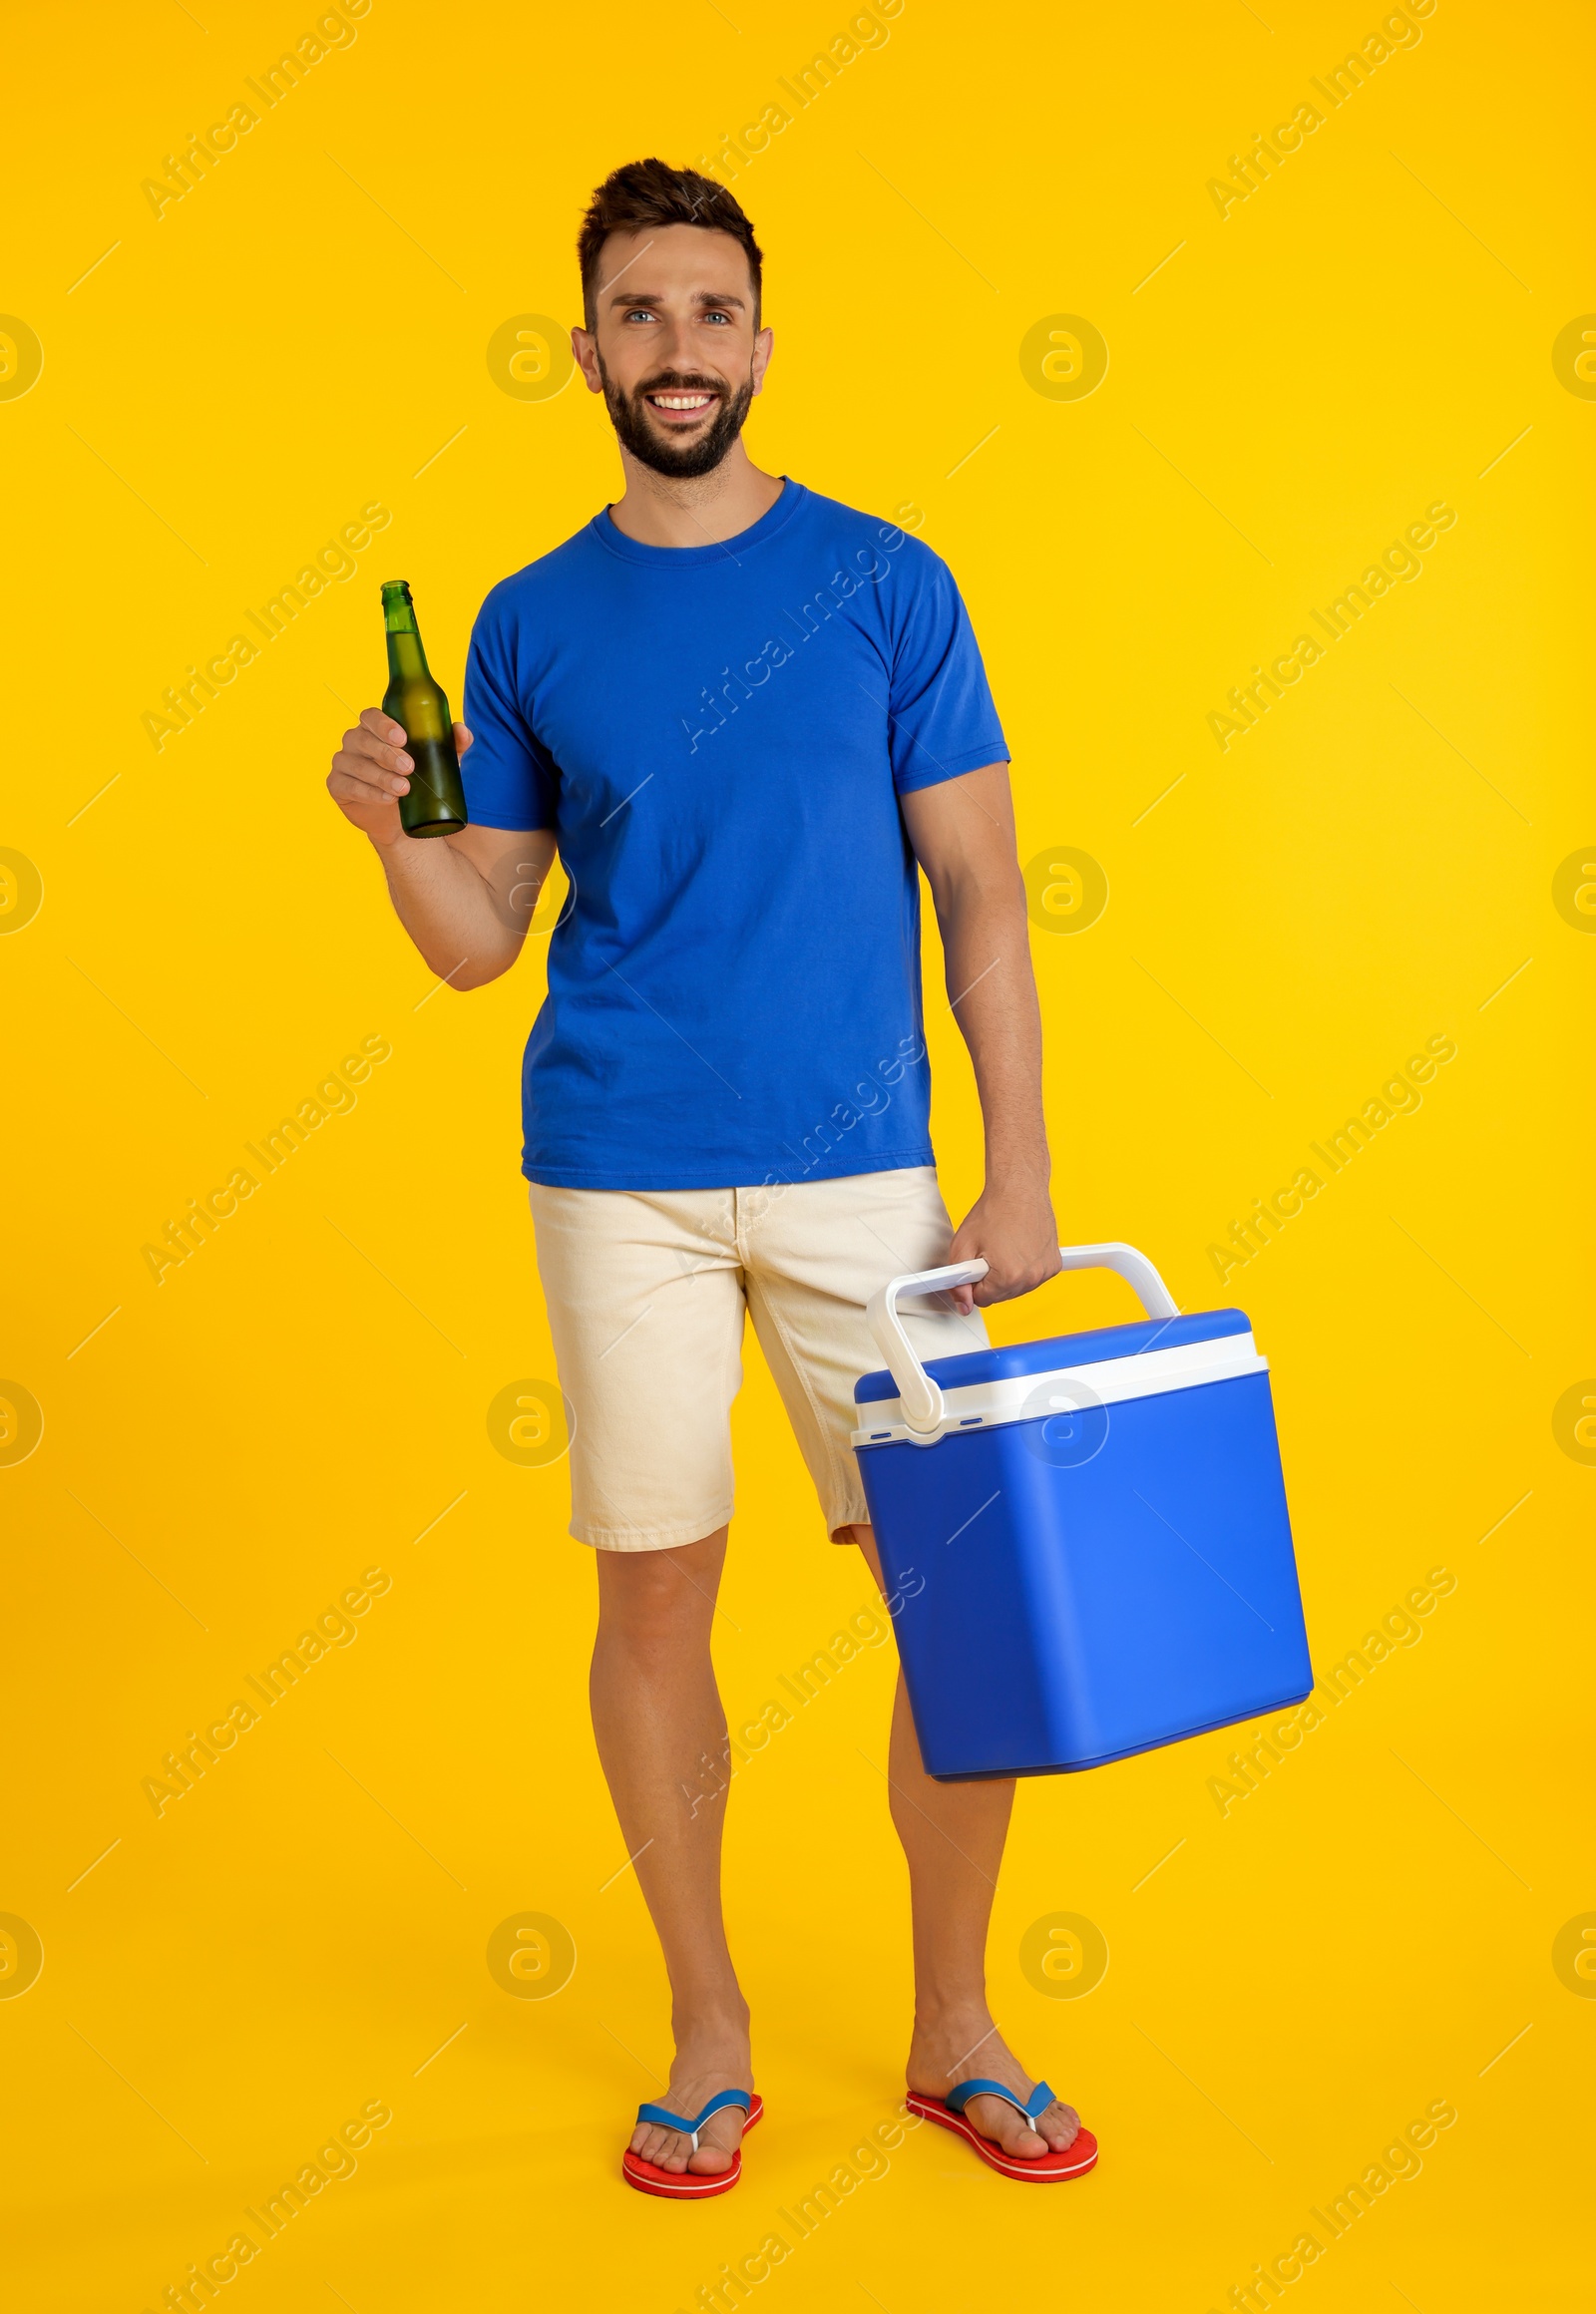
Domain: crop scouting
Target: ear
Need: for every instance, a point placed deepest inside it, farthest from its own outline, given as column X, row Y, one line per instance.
column 764, row 345
column 585, row 353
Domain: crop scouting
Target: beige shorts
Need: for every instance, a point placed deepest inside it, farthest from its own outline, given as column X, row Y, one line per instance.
column 646, row 1293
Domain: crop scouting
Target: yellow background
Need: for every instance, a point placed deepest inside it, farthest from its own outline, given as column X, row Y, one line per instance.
column 1296, row 1980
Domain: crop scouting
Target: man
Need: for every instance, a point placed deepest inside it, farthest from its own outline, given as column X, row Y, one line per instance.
column 742, row 713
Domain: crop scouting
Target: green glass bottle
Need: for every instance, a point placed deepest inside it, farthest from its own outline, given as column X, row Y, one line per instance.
column 435, row 803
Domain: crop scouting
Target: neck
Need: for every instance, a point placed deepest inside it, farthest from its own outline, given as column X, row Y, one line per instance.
column 659, row 509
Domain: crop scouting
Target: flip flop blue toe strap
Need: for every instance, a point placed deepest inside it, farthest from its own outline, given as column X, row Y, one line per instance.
column 1030, row 2109
column 691, row 2128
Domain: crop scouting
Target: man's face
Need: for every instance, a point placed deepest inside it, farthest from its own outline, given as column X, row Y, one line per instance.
column 674, row 349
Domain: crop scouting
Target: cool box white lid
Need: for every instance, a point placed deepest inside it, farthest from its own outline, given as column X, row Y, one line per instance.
column 1034, row 1382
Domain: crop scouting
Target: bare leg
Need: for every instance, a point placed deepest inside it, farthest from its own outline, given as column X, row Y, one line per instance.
column 953, row 1836
column 662, row 1737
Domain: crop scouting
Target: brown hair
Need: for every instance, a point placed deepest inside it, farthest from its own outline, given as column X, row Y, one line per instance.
column 650, row 192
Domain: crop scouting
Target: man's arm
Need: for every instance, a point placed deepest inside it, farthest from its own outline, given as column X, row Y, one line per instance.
column 962, row 833
column 464, row 899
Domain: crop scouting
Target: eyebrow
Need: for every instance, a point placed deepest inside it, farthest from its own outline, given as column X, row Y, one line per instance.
column 701, row 297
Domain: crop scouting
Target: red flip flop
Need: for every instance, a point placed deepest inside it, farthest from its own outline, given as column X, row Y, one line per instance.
column 1048, row 2169
column 689, row 2184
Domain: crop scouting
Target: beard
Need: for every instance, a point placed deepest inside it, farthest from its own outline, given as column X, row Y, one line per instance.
column 629, row 414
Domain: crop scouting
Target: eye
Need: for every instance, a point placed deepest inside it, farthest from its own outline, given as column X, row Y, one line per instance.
column 639, row 313
column 715, row 315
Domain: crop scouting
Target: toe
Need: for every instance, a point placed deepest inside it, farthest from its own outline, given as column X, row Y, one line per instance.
column 709, row 2160
column 717, row 2147
column 1060, row 2125
column 1004, row 2125
column 664, row 2149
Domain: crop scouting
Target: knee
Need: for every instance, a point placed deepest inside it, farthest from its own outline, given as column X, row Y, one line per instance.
column 653, row 1601
column 652, row 1605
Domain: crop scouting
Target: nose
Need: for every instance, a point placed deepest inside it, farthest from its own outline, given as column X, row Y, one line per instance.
column 675, row 350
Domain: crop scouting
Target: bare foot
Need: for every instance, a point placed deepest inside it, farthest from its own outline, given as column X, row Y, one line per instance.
column 970, row 2047
column 705, row 2064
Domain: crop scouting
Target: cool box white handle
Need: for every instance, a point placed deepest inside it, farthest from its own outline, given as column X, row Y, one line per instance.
column 918, row 1395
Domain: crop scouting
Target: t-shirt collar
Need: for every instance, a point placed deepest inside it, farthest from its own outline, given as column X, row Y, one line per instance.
column 775, row 518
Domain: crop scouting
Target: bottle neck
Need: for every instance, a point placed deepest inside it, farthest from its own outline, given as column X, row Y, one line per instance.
column 406, row 658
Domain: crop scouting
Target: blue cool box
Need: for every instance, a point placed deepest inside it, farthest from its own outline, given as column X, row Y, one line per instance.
column 1085, row 1539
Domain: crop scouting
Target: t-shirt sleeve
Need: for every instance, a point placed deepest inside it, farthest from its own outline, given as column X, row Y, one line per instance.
column 944, row 721
column 509, row 779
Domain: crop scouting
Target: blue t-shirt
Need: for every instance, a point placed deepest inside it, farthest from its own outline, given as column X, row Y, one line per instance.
column 719, row 736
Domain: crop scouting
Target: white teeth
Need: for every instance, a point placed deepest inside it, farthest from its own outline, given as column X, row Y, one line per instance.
column 678, row 401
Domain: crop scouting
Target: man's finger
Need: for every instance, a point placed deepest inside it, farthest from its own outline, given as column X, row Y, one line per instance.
column 346, row 786
column 363, row 748
column 387, row 774
column 381, row 725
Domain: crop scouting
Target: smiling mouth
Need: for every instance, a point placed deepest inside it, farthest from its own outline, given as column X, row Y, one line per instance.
column 680, row 405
